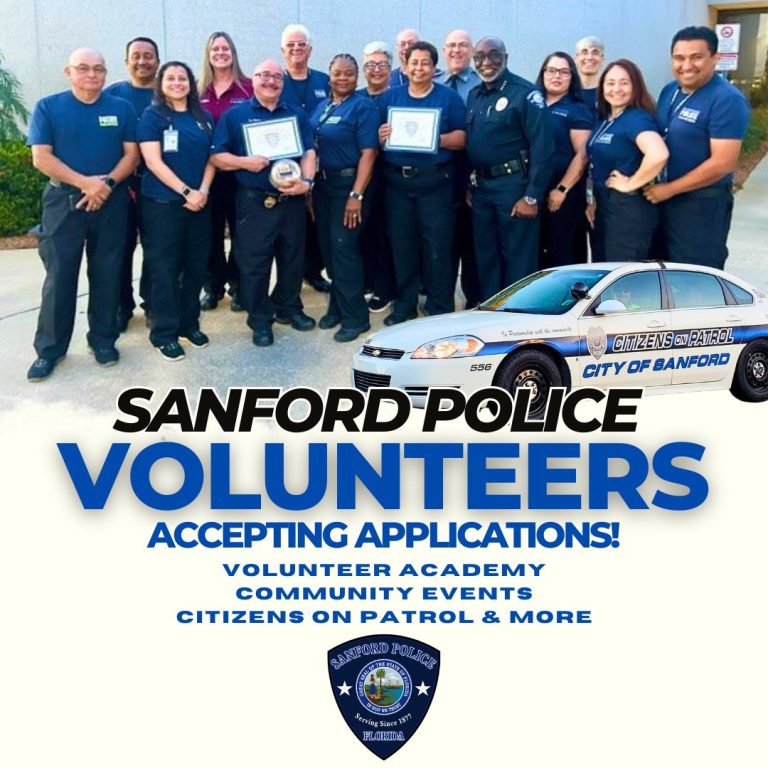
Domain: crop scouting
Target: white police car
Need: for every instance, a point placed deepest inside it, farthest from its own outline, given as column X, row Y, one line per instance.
column 654, row 324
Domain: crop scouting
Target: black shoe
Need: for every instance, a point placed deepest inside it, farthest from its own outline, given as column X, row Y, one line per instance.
column 235, row 305
column 123, row 318
column 319, row 283
column 263, row 338
column 42, row 368
column 171, row 351
column 196, row 339
column 299, row 322
column 377, row 304
column 105, row 356
column 350, row 334
column 328, row 321
column 396, row 319
column 147, row 318
column 209, row 301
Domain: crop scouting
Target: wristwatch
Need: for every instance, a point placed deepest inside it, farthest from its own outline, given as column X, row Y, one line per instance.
column 530, row 200
column 311, row 183
column 562, row 188
column 110, row 182
column 185, row 191
column 356, row 195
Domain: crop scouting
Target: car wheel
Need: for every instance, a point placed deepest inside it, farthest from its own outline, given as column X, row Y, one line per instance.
column 534, row 370
column 750, row 381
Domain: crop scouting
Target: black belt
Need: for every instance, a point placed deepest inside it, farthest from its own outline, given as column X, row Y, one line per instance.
column 409, row 171
column 269, row 199
column 502, row 169
column 341, row 173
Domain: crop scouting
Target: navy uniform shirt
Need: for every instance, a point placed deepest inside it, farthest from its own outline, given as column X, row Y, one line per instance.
column 452, row 118
column 567, row 115
column 307, row 93
column 613, row 147
column 140, row 98
column 86, row 137
column 188, row 161
column 717, row 110
column 229, row 137
column 507, row 118
column 397, row 77
column 465, row 81
column 342, row 131
column 590, row 99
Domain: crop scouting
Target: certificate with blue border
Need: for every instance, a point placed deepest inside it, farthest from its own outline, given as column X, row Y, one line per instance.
column 413, row 130
column 273, row 139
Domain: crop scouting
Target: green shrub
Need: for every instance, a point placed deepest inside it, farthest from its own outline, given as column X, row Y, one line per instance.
column 20, row 189
column 757, row 131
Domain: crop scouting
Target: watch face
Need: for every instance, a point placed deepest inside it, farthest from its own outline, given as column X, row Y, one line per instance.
column 530, row 200
column 110, row 182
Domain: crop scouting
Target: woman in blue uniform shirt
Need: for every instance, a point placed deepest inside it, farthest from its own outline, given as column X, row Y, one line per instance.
column 346, row 136
column 175, row 138
column 571, row 119
column 626, row 152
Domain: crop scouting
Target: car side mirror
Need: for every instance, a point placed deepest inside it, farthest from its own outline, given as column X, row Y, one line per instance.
column 610, row 307
column 579, row 290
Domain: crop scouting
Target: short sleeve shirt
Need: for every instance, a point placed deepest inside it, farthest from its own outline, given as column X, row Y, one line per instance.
column 239, row 92
column 567, row 115
column 307, row 93
column 140, row 98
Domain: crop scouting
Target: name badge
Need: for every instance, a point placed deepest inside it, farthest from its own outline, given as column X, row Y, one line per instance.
column 170, row 140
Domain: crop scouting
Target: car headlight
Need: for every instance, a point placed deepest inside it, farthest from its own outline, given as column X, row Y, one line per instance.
column 453, row 346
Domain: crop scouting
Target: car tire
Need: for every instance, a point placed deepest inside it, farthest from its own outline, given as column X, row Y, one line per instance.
column 534, row 369
column 750, row 380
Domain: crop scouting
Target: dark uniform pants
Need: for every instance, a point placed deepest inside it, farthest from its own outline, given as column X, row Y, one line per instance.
column 624, row 226
column 695, row 226
column 63, row 235
column 563, row 236
column 506, row 248
column 420, row 225
column 264, row 234
column 222, row 269
column 127, row 304
column 339, row 246
column 176, row 246
column 374, row 239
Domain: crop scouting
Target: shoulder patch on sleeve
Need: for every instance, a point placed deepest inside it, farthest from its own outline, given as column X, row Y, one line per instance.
column 535, row 98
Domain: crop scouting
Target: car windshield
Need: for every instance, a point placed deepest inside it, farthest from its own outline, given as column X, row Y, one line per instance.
column 544, row 293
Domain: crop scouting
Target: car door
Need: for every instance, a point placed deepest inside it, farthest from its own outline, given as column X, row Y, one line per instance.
column 625, row 334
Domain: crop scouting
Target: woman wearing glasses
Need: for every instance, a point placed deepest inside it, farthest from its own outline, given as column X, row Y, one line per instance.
column 571, row 125
column 626, row 152
column 222, row 85
column 175, row 139
column 345, row 126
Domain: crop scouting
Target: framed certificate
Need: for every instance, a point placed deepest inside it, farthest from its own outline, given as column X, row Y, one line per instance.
column 274, row 139
column 413, row 130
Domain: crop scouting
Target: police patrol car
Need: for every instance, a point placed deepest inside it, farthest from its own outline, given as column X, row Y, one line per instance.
column 654, row 324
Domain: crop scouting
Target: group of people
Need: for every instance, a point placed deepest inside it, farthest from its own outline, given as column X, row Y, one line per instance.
column 396, row 188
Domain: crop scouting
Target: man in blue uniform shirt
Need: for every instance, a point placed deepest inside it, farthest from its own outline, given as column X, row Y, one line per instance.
column 404, row 40
column 511, row 149
column 84, row 141
column 142, row 60
column 270, row 222
column 703, row 119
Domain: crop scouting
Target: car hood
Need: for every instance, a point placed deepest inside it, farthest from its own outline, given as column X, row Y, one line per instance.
column 486, row 325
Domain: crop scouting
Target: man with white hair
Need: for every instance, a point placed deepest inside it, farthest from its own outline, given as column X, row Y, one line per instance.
column 589, row 56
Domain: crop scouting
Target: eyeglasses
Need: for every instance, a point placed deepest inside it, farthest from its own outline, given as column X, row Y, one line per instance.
column 376, row 66
column 596, row 52
column 463, row 45
column 296, row 44
column 84, row 69
column 495, row 57
column 267, row 76
column 552, row 71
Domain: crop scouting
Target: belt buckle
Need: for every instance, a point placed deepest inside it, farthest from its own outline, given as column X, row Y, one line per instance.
column 407, row 171
column 270, row 201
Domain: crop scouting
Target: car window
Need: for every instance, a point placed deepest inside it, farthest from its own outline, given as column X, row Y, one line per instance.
column 638, row 292
column 741, row 296
column 695, row 289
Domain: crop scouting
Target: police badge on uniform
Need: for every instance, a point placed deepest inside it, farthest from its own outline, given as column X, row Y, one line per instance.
column 383, row 686
column 597, row 342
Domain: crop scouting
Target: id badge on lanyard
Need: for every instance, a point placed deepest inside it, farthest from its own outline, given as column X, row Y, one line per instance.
column 170, row 140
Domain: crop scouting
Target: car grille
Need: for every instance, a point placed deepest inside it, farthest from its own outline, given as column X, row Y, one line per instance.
column 365, row 380
column 382, row 353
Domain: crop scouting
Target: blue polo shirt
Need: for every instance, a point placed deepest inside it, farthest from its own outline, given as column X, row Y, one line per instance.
column 613, row 147
column 229, row 136
column 567, row 115
column 86, row 137
column 307, row 93
column 140, row 98
column 452, row 118
column 342, row 131
column 717, row 110
column 188, row 163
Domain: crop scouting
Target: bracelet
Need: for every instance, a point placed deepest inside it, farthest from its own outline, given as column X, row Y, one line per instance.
column 205, row 190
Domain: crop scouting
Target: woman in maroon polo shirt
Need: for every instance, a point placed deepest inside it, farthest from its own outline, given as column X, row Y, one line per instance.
column 221, row 85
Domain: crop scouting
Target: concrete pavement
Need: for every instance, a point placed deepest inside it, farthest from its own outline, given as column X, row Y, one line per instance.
column 311, row 358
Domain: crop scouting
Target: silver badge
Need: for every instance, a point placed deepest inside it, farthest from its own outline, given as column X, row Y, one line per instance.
column 501, row 103
column 284, row 173
column 597, row 342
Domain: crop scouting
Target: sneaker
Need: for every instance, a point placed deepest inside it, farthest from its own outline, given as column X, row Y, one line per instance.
column 299, row 322
column 196, row 339
column 105, row 356
column 171, row 351
column 350, row 334
column 377, row 304
column 42, row 368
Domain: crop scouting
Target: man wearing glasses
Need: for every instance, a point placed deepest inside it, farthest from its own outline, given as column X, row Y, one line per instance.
column 404, row 40
column 270, row 222
column 510, row 147
column 84, row 141
column 589, row 56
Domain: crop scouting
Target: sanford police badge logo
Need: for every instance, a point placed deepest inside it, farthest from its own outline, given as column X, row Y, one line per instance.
column 597, row 342
column 383, row 686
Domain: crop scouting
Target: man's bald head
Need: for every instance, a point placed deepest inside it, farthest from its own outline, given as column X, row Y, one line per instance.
column 87, row 73
column 268, row 82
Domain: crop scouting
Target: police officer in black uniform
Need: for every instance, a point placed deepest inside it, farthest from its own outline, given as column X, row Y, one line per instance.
column 85, row 142
column 510, row 147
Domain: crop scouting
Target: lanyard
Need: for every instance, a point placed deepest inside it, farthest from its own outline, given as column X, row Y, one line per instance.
column 604, row 126
column 330, row 108
column 674, row 109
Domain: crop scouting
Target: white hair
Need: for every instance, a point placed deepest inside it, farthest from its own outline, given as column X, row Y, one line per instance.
column 378, row 46
column 291, row 29
column 590, row 41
